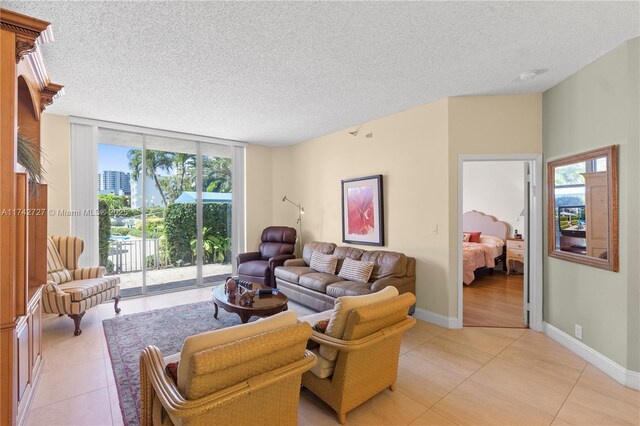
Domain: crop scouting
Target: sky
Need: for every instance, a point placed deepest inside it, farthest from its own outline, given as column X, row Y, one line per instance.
column 112, row 157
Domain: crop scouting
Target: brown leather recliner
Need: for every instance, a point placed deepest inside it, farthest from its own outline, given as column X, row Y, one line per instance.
column 278, row 244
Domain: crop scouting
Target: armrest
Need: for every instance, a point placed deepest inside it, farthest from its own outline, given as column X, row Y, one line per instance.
column 85, row 273
column 295, row 262
column 403, row 284
column 155, row 381
column 52, row 287
column 279, row 260
column 352, row 345
column 247, row 257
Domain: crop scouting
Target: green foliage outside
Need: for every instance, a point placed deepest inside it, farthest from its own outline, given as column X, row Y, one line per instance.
column 104, row 233
column 175, row 225
column 570, row 174
column 115, row 202
column 215, row 248
column 180, row 228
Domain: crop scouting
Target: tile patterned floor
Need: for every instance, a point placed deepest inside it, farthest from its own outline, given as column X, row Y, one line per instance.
column 446, row 377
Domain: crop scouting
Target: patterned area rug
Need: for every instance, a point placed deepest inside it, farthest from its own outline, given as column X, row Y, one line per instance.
column 166, row 328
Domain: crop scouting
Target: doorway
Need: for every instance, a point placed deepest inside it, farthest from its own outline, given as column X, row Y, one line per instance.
column 499, row 273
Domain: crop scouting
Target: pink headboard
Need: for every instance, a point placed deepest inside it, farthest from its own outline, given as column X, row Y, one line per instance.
column 475, row 221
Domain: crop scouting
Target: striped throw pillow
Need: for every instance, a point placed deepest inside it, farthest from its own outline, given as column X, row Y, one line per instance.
column 323, row 262
column 356, row 270
column 60, row 277
column 54, row 261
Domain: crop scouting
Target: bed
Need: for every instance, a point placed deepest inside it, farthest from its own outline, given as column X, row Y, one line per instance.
column 483, row 243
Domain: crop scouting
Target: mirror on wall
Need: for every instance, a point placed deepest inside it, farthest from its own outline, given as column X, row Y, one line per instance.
column 583, row 208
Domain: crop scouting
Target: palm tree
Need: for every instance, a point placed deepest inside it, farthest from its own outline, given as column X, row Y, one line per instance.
column 182, row 163
column 155, row 161
column 217, row 174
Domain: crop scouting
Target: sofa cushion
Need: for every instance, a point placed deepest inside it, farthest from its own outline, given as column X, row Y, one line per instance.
column 356, row 270
column 200, row 342
column 292, row 273
column 311, row 246
column 82, row 289
column 323, row 262
column 348, row 288
column 318, row 281
column 343, row 307
column 344, row 252
column 324, row 367
column 386, row 263
column 255, row 268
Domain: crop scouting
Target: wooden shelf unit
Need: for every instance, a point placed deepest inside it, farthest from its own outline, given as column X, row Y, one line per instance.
column 25, row 91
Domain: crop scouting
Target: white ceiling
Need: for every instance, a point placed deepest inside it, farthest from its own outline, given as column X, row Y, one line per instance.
column 280, row 73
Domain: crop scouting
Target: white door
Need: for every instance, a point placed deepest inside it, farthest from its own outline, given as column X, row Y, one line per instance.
column 528, row 179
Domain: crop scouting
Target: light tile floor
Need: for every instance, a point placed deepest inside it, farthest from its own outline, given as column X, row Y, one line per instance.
column 479, row 376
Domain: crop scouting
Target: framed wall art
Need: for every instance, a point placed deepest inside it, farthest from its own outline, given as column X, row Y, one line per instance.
column 362, row 211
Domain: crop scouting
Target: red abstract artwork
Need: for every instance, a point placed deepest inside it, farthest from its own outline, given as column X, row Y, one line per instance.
column 362, row 215
column 360, row 210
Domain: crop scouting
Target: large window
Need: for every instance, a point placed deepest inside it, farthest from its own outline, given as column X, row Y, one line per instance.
column 167, row 219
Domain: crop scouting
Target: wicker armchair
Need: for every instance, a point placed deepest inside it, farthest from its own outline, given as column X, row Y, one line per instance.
column 244, row 375
column 367, row 354
column 71, row 290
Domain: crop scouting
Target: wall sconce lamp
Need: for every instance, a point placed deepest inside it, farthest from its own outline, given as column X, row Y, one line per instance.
column 299, row 221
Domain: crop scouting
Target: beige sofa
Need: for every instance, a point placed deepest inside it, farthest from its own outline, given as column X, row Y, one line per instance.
column 319, row 290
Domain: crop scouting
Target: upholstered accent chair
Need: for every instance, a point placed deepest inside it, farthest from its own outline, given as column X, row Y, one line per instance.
column 248, row 374
column 359, row 351
column 278, row 244
column 71, row 290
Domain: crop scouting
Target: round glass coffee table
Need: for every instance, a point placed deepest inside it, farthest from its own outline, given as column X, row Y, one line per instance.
column 263, row 305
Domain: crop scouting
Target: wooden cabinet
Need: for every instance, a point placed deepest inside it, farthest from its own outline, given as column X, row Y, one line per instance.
column 596, row 213
column 515, row 252
column 25, row 91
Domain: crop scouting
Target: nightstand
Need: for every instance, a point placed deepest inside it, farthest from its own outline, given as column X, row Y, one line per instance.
column 515, row 251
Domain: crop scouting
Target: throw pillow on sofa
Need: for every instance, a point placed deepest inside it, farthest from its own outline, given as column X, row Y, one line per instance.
column 324, row 263
column 356, row 270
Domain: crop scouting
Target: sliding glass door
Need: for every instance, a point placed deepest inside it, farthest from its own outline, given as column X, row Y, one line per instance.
column 170, row 207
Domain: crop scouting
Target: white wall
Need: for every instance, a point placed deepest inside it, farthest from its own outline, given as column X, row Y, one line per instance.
column 495, row 188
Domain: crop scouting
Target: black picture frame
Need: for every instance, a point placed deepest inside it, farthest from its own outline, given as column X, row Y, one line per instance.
column 363, row 211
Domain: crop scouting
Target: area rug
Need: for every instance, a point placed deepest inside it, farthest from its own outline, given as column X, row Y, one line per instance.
column 166, row 328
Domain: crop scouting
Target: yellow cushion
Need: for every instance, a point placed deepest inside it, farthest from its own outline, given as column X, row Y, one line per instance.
column 323, row 368
column 210, row 339
column 343, row 307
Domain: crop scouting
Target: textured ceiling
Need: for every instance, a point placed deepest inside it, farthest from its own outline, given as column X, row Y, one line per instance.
column 280, row 73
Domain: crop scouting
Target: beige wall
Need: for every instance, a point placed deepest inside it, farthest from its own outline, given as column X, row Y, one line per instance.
column 417, row 153
column 410, row 150
column 56, row 147
column 597, row 107
column 259, row 194
column 487, row 125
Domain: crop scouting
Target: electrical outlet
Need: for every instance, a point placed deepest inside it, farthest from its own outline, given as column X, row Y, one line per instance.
column 578, row 332
column 434, row 230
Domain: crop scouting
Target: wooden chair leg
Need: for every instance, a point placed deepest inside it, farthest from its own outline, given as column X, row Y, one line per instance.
column 76, row 320
column 115, row 305
column 342, row 418
column 392, row 387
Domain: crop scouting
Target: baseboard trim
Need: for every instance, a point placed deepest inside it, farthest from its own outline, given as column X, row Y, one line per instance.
column 611, row 368
column 437, row 319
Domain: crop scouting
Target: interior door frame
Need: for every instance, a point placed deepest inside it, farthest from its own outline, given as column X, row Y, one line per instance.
column 533, row 235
